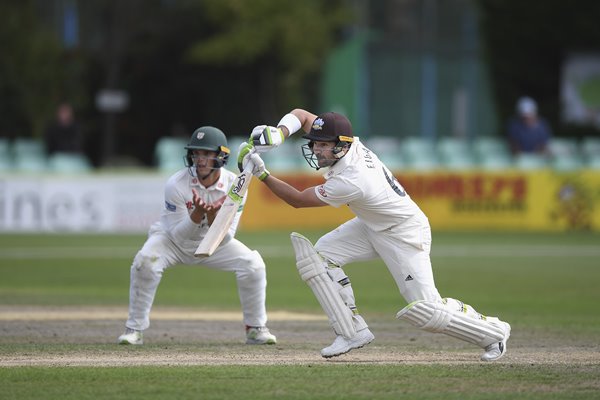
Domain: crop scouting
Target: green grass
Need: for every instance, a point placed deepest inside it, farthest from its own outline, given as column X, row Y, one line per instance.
column 303, row 382
column 539, row 282
column 546, row 290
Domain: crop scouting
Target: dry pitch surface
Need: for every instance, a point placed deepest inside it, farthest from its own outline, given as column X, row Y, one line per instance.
column 86, row 336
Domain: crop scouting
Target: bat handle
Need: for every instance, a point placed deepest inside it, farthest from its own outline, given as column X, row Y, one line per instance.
column 249, row 165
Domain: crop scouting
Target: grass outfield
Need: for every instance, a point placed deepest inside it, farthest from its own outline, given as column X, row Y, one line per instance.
column 301, row 382
column 545, row 285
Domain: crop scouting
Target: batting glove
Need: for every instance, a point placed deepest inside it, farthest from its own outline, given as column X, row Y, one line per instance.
column 259, row 170
column 243, row 151
column 265, row 138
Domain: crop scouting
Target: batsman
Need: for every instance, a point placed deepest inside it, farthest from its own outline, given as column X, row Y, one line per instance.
column 193, row 197
column 388, row 224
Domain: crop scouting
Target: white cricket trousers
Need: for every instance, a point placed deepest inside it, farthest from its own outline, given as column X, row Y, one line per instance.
column 159, row 253
column 404, row 250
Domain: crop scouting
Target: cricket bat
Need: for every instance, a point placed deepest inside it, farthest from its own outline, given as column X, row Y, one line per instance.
column 222, row 223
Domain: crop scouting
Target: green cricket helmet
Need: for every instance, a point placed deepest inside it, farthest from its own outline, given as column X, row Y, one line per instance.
column 211, row 139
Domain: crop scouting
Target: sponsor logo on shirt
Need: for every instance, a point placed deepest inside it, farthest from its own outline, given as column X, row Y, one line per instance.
column 170, row 207
column 321, row 191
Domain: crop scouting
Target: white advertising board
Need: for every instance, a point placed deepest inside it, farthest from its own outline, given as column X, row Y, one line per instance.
column 127, row 204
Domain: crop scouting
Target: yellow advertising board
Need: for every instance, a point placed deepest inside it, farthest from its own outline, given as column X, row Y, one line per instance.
column 537, row 200
column 541, row 200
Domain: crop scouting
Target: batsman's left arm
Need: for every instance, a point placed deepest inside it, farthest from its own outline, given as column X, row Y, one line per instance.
column 286, row 192
column 294, row 197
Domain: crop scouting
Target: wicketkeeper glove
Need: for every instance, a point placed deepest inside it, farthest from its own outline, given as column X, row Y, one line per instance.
column 265, row 138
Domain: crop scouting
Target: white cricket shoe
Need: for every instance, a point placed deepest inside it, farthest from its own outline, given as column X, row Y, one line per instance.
column 341, row 345
column 131, row 336
column 259, row 335
column 496, row 350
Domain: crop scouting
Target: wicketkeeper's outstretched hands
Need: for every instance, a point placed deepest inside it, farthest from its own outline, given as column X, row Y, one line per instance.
column 247, row 152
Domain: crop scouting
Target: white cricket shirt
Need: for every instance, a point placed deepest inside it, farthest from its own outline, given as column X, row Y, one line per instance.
column 175, row 216
column 361, row 181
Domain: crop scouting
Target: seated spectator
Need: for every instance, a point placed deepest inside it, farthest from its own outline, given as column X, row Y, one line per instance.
column 528, row 132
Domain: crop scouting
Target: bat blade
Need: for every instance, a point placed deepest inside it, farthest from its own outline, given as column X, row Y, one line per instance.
column 223, row 220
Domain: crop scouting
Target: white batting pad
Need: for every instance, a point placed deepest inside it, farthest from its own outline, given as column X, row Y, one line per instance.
column 439, row 318
column 312, row 271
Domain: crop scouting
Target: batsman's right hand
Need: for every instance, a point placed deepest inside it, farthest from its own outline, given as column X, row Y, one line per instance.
column 265, row 138
column 259, row 171
column 247, row 153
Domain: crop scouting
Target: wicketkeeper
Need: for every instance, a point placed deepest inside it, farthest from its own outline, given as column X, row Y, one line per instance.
column 388, row 224
column 193, row 197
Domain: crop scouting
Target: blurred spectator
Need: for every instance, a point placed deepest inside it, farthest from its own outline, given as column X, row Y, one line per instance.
column 528, row 132
column 62, row 135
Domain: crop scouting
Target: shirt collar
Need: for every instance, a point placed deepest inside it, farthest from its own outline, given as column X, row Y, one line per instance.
column 218, row 185
column 345, row 161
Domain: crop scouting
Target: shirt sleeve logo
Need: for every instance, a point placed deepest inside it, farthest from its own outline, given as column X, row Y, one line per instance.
column 321, row 191
column 170, row 207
